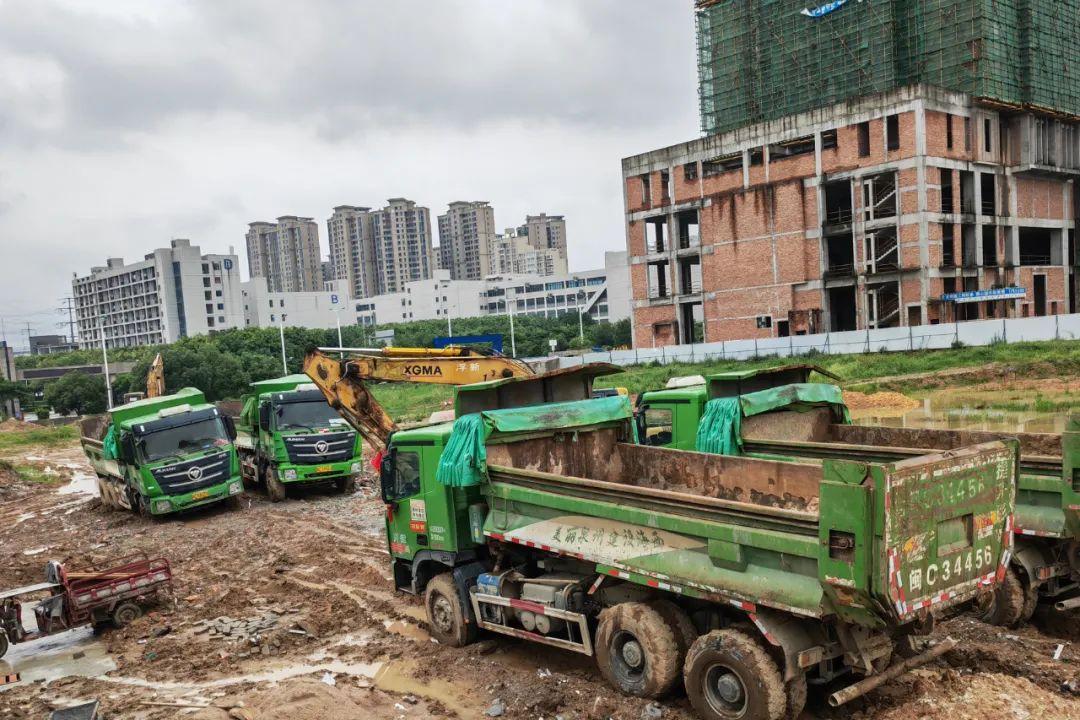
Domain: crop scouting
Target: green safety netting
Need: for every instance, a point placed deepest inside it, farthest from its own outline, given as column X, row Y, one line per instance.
column 799, row 397
column 108, row 444
column 464, row 460
column 719, row 429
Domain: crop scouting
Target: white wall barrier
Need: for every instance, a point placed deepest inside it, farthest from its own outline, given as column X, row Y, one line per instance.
column 900, row 339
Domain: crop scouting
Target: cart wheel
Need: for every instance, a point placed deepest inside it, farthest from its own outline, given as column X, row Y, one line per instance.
column 447, row 620
column 126, row 613
column 346, row 485
column 275, row 489
column 3, row 643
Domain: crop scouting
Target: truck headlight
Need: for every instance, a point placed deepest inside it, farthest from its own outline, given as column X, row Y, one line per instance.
column 288, row 474
column 355, row 468
column 162, row 506
column 235, row 488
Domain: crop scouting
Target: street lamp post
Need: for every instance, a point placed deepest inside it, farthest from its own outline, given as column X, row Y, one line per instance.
column 580, row 317
column 281, row 334
column 510, row 308
column 105, row 363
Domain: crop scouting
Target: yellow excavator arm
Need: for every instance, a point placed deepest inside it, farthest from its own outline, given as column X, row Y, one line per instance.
column 340, row 373
column 155, row 379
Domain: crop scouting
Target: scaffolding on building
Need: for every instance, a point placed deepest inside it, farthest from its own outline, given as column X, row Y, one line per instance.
column 759, row 60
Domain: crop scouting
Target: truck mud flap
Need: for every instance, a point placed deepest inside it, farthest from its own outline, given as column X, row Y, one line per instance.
column 579, row 620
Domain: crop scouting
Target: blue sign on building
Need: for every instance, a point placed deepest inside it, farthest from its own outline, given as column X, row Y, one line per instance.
column 1009, row 293
column 227, row 263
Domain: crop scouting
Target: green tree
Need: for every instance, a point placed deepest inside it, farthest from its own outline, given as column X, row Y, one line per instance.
column 77, row 393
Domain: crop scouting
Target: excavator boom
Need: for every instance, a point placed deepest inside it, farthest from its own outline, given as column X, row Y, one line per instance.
column 340, row 373
column 155, row 379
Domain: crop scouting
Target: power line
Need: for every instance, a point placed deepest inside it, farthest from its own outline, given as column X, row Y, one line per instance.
column 71, row 317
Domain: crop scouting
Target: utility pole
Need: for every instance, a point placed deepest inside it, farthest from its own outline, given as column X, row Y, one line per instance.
column 105, row 363
column 29, row 342
column 71, row 317
column 281, row 332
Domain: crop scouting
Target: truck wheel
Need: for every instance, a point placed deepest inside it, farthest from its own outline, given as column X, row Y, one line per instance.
column 125, row 613
column 447, row 621
column 142, row 506
column 346, row 485
column 275, row 489
column 1006, row 605
column 680, row 623
column 234, row 502
column 729, row 675
column 795, row 692
column 637, row 650
column 3, row 643
column 1031, row 600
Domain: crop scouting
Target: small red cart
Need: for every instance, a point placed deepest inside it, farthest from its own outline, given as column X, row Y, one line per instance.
column 110, row 592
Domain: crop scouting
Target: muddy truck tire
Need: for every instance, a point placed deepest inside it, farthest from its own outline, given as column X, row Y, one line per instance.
column 730, row 676
column 346, row 485
column 3, row 643
column 637, row 650
column 275, row 489
column 1005, row 607
column 447, row 620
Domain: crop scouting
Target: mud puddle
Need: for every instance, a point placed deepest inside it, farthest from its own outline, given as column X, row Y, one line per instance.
column 73, row 653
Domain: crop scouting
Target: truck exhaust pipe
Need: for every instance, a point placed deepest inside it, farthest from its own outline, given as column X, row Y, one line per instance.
column 842, row 697
column 1069, row 604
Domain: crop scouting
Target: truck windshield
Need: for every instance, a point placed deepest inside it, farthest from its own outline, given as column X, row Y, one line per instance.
column 196, row 436
column 306, row 415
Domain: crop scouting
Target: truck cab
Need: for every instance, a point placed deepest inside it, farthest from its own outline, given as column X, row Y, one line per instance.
column 165, row 454
column 288, row 436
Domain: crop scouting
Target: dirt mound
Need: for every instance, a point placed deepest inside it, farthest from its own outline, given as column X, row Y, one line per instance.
column 951, row 696
column 892, row 400
column 13, row 425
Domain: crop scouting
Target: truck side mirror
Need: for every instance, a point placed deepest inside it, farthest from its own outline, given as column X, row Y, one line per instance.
column 386, row 476
column 264, row 416
column 230, row 427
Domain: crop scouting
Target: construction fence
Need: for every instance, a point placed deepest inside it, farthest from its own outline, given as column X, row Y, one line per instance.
column 759, row 60
column 899, row 339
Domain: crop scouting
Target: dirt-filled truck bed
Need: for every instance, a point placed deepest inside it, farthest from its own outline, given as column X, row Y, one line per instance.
column 1046, row 561
column 743, row 577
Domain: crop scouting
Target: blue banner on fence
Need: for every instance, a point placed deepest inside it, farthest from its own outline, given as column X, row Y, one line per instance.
column 1009, row 293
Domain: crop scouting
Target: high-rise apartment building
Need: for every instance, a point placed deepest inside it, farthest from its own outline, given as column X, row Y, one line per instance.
column 172, row 293
column 467, row 240
column 286, row 253
column 403, row 252
column 513, row 255
column 545, row 232
column 352, row 249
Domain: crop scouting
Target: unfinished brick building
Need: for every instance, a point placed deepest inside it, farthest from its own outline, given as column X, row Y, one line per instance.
column 864, row 215
column 913, row 205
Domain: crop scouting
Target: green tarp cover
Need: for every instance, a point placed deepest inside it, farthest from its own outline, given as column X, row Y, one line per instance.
column 464, row 460
column 108, row 444
column 719, row 431
column 799, row 397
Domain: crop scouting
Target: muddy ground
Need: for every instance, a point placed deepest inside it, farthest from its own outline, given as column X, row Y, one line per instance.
column 342, row 644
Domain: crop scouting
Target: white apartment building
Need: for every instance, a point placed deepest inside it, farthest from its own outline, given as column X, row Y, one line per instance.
column 603, row 294
column 467, row 240
column 172, row 293
column 286, row 253
column 403, row 251
column 514, row 255
column 267, row 308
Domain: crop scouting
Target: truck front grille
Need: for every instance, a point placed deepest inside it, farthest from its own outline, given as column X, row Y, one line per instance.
column 192, row 475
column 320, row 448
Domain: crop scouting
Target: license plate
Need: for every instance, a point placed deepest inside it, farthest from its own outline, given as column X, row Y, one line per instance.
column 200, row 495
column 324, row 468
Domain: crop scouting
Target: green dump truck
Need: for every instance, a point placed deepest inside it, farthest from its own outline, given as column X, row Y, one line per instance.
column 781, row 419
column 537, row 515
column 288, row 436
column 163, row 455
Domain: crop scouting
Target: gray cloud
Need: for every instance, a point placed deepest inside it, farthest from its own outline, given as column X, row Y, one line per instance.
column 125, row 123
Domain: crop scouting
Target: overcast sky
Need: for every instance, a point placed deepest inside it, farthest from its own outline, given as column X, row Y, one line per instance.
column 124, row 123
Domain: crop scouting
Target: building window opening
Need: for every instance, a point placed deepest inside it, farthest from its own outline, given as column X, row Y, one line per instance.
column 988, row 137
column 658, row 280
column 892, row 132
column 792, row 148
column 689, row 229
column 1039, row 246
column 690, row 171
column 989, row 246
column 692, row 323
column 864, row 139
column 948, row 132
column 839, row 256
column 948, row 247
column 838, row 202
column 879, row 196
column 882, row 251
column 947, row 201
column 655, row 235
column 690, row 275
column 842, row 309
column 646, row 190
column 829, row 139
column 967, row 192
column 988, row 184
column 883, row 305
